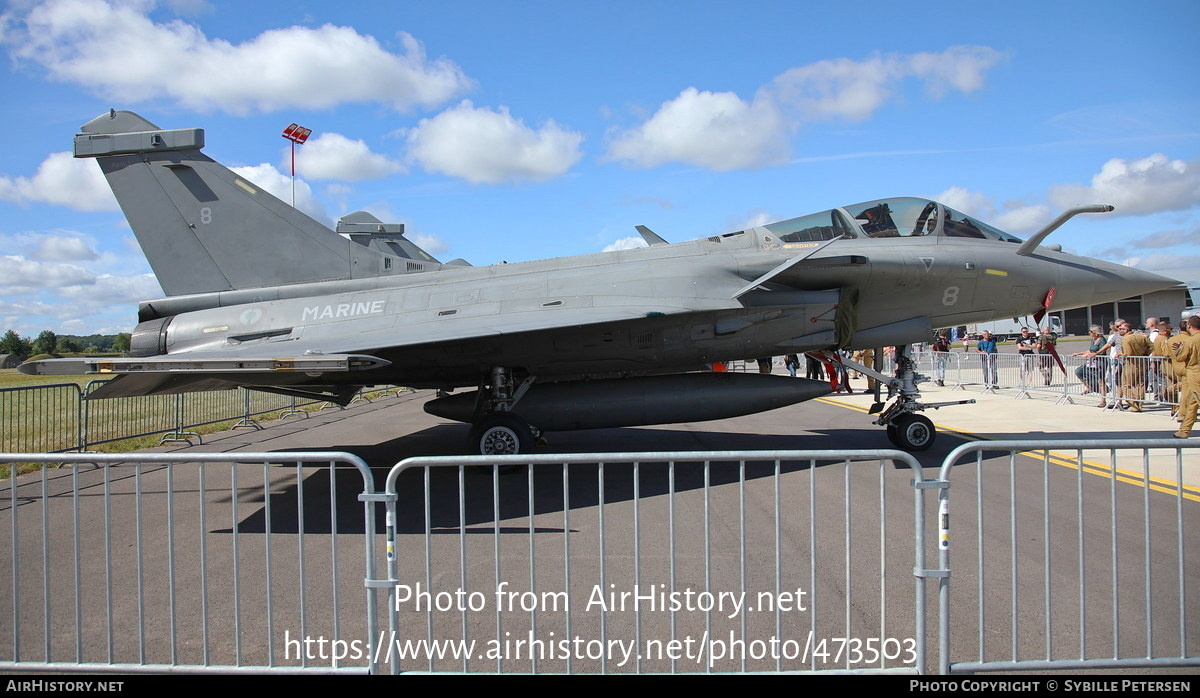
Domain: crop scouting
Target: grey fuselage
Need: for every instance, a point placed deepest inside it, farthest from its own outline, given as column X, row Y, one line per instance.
column 660, row 309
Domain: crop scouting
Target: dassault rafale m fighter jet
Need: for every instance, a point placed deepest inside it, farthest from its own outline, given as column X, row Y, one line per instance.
column 262, row 296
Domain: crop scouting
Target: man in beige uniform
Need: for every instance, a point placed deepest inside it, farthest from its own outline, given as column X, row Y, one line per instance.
column 1134, row 350
column 1178, row 370
column 1190, row 352
column 1162, row 364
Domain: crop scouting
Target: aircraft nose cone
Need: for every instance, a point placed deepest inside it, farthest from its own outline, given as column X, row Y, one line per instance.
column 1089, row 281
column 1122, row 281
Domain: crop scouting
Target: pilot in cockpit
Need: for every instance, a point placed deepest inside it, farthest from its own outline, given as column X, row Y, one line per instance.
column 877, row 221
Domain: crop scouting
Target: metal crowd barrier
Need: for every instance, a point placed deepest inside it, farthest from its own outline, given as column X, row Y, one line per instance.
column 1135, row 597
column 41, row 419
column 1150, row 379
column 57, row 418
column 228, row 562
column 626, row 562
column 105, row 421
column 592, row 562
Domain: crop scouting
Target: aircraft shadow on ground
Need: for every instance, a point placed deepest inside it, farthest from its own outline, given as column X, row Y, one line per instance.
column 584, row 488
column 479, row 510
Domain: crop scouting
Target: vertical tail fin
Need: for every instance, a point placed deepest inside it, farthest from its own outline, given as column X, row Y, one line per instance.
column 205, row 229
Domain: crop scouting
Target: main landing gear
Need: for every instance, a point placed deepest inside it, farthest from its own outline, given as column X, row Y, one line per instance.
column 501, row 434
column 496, row 429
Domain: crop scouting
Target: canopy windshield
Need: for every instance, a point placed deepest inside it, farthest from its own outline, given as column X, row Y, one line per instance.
column 883, row 218
column 960, row 225
column 890, row 218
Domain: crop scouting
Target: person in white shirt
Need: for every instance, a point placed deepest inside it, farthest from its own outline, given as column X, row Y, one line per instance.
column 1153, row 368
column 1113, row 347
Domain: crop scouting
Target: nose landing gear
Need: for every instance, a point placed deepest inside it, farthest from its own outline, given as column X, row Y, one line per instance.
column 906, row 429
column 911, row 432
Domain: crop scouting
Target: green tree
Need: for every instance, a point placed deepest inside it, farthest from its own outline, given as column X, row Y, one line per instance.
column 45, row 343
column 121, row 343
column 66, row 345
column 14, row 344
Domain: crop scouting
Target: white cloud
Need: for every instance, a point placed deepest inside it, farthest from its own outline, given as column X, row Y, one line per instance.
column 339, row 191
column 629, row 243
column 1175, row 266
column 714, row 130
column 1168, row 238
column 1161, row 240
column 1144, row 186
column 972, row 203
column 847, row 89
column 73, row 301
column 109, row 289
column 721, row 131
column 961, row 68
column 279, row 185
column 26, row 308
column 334, row 156
column 1137, row 187
column 117, row 51
column 491, row 147
column 754, row 220
column 432, row 244
column 1021, row 219
column 839, row 88
column 59, row 248
column 340, row 194
column 190, row 8
column 63, row 180
column 1013, row 217
column 18, row 274
column 745, row 220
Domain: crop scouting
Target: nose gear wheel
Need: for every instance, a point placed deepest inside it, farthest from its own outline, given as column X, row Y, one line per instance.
column 912, row 432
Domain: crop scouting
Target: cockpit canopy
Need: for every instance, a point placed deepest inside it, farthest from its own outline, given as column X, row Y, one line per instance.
column 885, row 218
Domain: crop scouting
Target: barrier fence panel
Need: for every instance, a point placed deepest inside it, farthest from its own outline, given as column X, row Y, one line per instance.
column 40, row 419
column 657, row 562
column 1056, row 568
column 57, row 418
column 216, row 406
column 1065, row 555
column 1144, row 381
column 127, row 418
column 227, row 562
column 212, row 407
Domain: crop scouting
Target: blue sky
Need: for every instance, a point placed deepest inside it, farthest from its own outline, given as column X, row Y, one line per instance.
column 524, row 130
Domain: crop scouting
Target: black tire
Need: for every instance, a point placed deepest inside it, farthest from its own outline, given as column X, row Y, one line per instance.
column 913, row 432
column 892, row 436
column 501, row 434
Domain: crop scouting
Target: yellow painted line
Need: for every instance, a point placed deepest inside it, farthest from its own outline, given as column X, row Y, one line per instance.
column 1157, row 484
column 828, row 401
column 995, row 272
